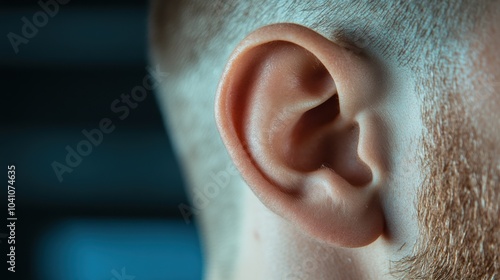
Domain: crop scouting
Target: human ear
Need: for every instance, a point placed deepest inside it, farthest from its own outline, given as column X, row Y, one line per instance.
column 294, row 110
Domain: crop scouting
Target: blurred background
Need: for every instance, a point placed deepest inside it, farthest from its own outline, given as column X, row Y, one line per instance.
column 114, row 213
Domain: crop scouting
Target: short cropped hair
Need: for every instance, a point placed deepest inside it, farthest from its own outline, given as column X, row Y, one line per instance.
column 190, row 30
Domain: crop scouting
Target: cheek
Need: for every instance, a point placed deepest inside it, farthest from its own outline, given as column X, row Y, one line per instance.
column 490, row 115
column 485, row 96
column 399, row 195
column 486, row 113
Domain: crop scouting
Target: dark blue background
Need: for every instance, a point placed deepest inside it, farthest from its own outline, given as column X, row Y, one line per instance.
column 118, row 208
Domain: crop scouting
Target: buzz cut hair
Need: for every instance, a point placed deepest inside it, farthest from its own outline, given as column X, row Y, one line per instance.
column 188, row 31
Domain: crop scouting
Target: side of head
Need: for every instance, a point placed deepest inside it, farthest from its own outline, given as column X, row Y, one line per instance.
column 355, row 129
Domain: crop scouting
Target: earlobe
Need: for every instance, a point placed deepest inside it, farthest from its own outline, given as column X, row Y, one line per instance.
column 292, row 110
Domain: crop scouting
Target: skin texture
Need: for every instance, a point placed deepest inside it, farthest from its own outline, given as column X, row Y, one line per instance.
column 352, row 164
column 459, row 202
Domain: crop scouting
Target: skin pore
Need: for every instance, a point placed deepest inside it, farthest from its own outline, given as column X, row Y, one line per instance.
column 441, row 113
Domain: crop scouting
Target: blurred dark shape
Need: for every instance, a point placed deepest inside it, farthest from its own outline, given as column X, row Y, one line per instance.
column 62, row 81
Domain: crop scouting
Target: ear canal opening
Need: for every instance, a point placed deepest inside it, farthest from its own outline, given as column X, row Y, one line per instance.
column 316, row 147
column 342, row 157
column 324, row 113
